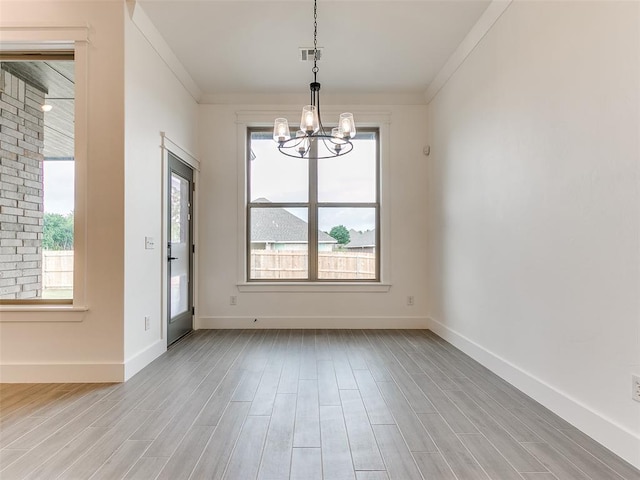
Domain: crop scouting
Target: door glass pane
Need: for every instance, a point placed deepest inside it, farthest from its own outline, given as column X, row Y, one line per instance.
column 275, row 177
column 351, row 178
column 352, row 255
column 179, row 244
column 279, row 243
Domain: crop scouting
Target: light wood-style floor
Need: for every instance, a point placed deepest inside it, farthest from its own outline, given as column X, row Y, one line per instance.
column 297, row 404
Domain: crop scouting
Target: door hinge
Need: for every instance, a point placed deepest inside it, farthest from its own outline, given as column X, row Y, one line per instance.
column 193, row 186
column 193, row 249
column 193, row 310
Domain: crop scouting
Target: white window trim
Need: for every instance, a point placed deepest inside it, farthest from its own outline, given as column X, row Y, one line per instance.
column 264, row 118
column 74, row 38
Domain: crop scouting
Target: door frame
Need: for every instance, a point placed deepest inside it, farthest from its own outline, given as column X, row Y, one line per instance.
column 169, row 146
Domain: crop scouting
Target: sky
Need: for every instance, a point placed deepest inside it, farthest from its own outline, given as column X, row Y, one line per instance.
column 58, row 186
column 349, row 178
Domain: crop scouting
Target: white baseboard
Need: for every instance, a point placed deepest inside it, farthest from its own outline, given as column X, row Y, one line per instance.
column 613, row 436
column 143, row 358
column 311, row 322
column 82, row 372
column 62, row 373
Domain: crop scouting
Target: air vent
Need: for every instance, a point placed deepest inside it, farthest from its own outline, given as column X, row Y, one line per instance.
column 306, row 54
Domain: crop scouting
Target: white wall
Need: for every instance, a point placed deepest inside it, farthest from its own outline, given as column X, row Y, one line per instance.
column 155, row 101
column 221, row 237
column 535, row 210
column 38, row 346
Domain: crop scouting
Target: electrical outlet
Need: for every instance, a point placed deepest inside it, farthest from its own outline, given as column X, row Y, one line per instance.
column 635, row 385
column 233, row 300
column 410, row 300
column 147, row 322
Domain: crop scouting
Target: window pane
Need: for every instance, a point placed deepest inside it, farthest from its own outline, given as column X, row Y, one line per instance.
column 179, row 208
column 37, row 179
column 179, row 244
column 351, row 178
column 57, row 242
column 279, row 243
column 273, row 176
column 352, row 255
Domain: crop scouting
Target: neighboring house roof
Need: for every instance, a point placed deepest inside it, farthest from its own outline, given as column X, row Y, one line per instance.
column 276, row 225
column 361, row 239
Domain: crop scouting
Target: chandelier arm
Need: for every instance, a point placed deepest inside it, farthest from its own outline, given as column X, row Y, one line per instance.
column 289, row 147
column 335, row 141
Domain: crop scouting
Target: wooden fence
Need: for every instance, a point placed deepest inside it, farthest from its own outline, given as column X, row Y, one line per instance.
column 331, row 265
column 265, row 264
column 57, row 269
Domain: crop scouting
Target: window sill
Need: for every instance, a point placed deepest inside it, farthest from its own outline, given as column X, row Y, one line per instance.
column 45, row 308
column 295, row 287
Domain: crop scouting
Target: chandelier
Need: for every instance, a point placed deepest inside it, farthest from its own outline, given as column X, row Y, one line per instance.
column 312, row 136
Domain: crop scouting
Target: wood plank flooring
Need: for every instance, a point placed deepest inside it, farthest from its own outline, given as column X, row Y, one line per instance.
column 297, row 404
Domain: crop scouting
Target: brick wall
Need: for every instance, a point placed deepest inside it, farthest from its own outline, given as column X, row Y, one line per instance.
column 21, row 189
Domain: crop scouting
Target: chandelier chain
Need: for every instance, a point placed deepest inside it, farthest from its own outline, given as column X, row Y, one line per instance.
column 315, row 39
column 312, row 133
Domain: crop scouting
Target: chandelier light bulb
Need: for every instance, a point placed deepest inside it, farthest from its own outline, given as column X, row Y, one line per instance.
column 337, row 134
column 303, row 144
column 309, row 121
column 347, row 125
column 281, row 130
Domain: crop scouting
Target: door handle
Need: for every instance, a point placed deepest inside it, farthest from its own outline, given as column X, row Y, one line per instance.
column 172, row 258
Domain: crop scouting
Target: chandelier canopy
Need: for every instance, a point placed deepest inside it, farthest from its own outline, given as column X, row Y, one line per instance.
column 312, row 138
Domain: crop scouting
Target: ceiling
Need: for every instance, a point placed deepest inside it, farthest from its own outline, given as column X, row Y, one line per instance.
column 372, row 47
column 56, row 79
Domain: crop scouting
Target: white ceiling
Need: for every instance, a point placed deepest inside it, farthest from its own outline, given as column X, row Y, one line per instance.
column 249, row 47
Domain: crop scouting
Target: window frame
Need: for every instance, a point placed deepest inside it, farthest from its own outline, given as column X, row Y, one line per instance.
column 313, row 206
column 73, row 41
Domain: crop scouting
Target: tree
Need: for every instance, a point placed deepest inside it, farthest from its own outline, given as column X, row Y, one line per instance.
column 341, row 234
column 58, row 231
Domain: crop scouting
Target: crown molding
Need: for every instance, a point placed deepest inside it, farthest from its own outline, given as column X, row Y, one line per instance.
column 158, row 43
column 486, row 21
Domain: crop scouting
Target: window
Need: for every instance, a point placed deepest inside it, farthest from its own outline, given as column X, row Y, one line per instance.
column 313, row 220
column 37, row 176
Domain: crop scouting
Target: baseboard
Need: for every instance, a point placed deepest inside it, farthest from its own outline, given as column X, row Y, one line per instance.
column 62, row 373
column 312, row 322
column 613, row 436
column 143, row 358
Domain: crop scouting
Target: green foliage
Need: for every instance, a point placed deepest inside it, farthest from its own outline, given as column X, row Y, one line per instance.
column 341, row 234
column 58, row 231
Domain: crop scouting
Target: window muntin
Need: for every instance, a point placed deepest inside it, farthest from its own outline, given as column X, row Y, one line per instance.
column 343, row 192
column 37, row 154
